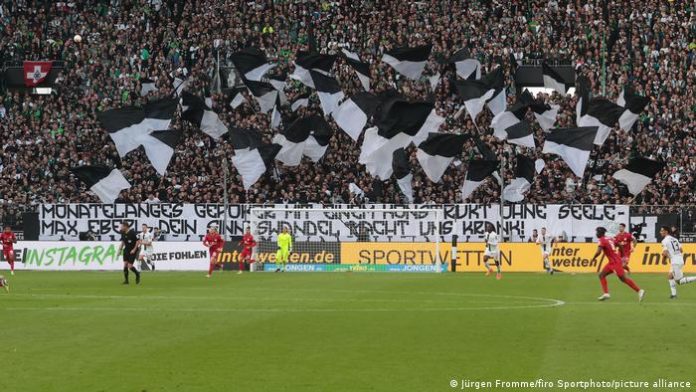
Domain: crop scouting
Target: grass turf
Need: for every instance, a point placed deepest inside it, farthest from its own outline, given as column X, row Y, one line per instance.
column 83, row 331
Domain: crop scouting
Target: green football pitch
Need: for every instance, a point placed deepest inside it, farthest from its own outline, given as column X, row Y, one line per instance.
column 84, row 331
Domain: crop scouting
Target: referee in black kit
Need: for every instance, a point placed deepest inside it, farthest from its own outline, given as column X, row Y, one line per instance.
column 128, row 245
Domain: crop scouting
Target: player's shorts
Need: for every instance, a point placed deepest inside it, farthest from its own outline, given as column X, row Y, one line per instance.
column 677, row 271
column 246, row 252
column 8, row 254
column 214, row 253
column 129, row 257
column 495, row 254
column 616, row 268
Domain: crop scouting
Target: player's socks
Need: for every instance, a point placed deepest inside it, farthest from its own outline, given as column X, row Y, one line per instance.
column 673, row 287
column 125, row 275
column 632, row 284
column 687, row 280
column 605, row 285
column 137, row 275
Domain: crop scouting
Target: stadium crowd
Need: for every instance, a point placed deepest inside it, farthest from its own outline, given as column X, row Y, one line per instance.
column 652, row 47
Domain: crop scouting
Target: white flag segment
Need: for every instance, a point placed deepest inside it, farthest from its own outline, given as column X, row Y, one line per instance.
column 109, row 187
column 406, row 186
column 290, row 153
column 250, row 166
column 350, row 118
column 377, row 152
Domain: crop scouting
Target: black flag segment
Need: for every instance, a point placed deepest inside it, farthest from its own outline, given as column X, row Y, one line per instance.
column 554, row 80
column 105, row 182
column 251, row 63
column 402, row 171
column 437, row 152
column 477, row 173
column 408, row 61
column 196, row 111
column 634, row 104
column 307, row 136
column 573, row 145
column 639, row 173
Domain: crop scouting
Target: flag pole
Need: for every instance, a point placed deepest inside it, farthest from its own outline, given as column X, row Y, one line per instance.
column 225, row 198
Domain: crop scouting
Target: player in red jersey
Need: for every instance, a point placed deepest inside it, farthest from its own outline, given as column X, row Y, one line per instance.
column 8, row 239
column 625, row 242
column 248, row 244
column 614, row 265
column 213, row 240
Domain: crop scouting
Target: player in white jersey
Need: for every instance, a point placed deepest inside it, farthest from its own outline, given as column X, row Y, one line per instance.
column 492, row 251
column 546, row 241
column 672, row 249
column 145, row 239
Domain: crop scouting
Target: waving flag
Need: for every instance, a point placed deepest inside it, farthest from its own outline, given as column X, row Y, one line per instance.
column 408, row 61
column 105, row 182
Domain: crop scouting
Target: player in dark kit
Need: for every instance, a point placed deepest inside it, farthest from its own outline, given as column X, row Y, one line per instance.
column 129, row 241
column 614, row 266
column 8, row 239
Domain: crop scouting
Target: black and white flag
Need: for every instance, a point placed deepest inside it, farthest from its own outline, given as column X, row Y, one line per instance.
column 507, row 125
column 476, row 93
column 465, row 65
column 105, row 182
column 402, row 172
column 311, row 61
column 524, row 177
column 146, row 86
column 300, row 101
column 573, row 145
column 196, row 111
column 553, row 80
column 437, row 152
column 604, row 115
column 128, row 126
column 308, row 136
column 179, row 85
column 476, row 174
column 159, row 148
column 238, row 98
column 408, row 61
column 328, row 90
column 251, row 163
column 264, row 93
column 244, row 138
column 362, row 70
column 251, row 63
column 354, row 113
column 633, row 104
column 639, row 173
column 278, row 81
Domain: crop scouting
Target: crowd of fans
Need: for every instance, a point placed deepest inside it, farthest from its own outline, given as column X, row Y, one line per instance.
column 614, row 43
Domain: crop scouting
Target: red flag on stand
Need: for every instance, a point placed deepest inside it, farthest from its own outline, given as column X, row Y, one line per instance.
column 35, row 72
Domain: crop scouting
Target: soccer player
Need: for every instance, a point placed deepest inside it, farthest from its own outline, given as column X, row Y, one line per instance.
column 145, row 239
column 672, row 249
column 546, row 241
column 625, row 241
column 8, row 240
column 213, row 241
column 248, row 244
column 4, row 284
column 492, row 251
column 129, row 241
column 606, row 245
column 284, row 249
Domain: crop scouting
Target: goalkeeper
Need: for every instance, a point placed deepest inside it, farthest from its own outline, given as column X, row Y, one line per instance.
column 284, row 249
